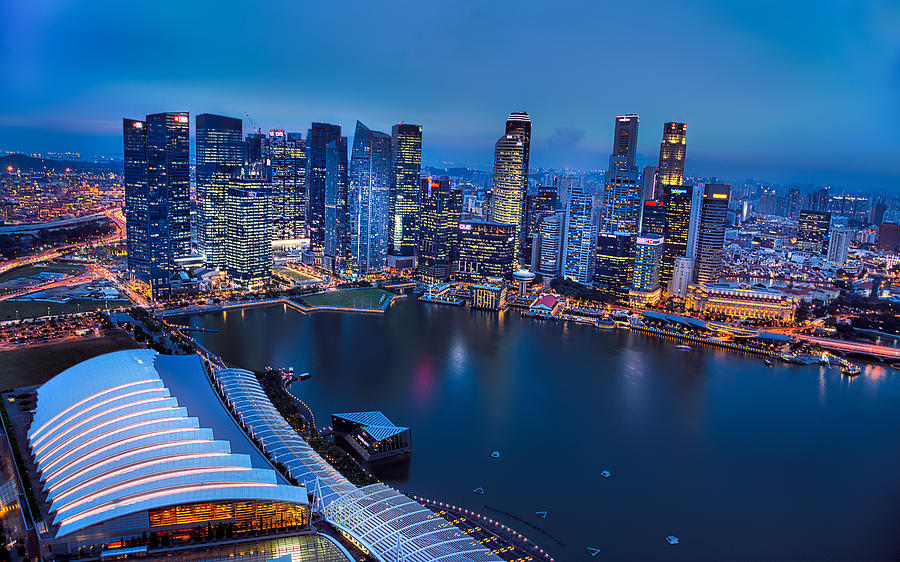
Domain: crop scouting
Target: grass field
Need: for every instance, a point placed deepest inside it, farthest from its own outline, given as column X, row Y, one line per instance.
column 294, row 275
column 32, row 309
column 36, row 365
column 370, row 299
column 29, row 270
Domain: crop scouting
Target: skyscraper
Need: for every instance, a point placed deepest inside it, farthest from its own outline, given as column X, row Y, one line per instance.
column 337, row 212
column 486, row 249
column 437, row 228
column 812, row 232
column 622, row 189
column 511, row 175
column 648, row 181
column 581, row 234
column 614, row 264
column 839, row 244
column 221, row 152
column 369, row 194
column 317, row 139
column 653, row 218
column 157, row 195
column 711, row 232
column 672, row 150
column 287, row 154
column 678, row 203
column 248, row 242
column 406, row 154
column 537, row 205
column 645, row 287
column 551, row 230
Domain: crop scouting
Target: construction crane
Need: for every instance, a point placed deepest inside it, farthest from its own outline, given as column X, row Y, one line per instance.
column 252, row 124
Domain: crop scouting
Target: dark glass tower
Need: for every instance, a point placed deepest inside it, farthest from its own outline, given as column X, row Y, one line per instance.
column 812, row 232
column 370, row 181
column 711, row 232
column 437, row 229
column 653, row 218
column 337, row 212
column 221, row 152
column 287, row 155
column 406, row 154
column 157, row 180
column 677, row 203
column 317, row 139
column 613, row 264
column 486, row 249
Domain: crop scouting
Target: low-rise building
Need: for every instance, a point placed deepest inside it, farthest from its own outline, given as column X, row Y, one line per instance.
column 741, row 301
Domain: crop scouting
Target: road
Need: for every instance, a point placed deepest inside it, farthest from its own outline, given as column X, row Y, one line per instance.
column 881, row 351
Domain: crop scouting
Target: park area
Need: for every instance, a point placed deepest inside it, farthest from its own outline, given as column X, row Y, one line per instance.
column 349, row 299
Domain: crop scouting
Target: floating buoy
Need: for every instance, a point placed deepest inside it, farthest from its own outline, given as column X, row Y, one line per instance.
column 593, row 551
column 606, row 474
column 495, row 454
column 671, row 539
column 478, row 491
column 541, row 514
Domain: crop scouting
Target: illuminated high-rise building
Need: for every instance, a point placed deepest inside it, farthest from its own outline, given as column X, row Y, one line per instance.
column 406, row 155
column 537, row 205
column 839, row 245
column 337, row 211
column 511, row 175
column 221, row 152
column 439, row 219
column 486, row 249
column 614, row 264
column 580, row 236
column 369, row 193
column 812, row 232
column 710, row 255
column 548, row 247
column 157, row 196
column 287, row 161
column 317, row 139
column 248, row 241
column 678, row 202
column 649, row 181
column 622, row 189
column 645, row 287
column 653, row 218
column 672, row 150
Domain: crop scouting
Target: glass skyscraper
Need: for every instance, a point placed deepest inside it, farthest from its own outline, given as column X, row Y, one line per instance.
column 317, row 139
column 511, row 175
column 337, row 211
column 614, row 264
column 623, row 190
column 678, row 203
column 672, row 151
column 812, row 231
column 221, row 152
column 287, row 155
column 406, row 154
column 369, row 194
column 248, row 245
column 581, row 234
column 441, row 208
column 486, row 249
column 710, row 254
column 157, row 196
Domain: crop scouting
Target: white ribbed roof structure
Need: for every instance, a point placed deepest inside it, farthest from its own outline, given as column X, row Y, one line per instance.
column 109, row 440
column 378, row 517
column 377, row 424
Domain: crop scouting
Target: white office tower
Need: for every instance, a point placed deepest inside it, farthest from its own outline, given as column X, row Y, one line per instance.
column 839, row 244
column 549, row 258
column 694, row 225
column 682, row 276
column 580, row 236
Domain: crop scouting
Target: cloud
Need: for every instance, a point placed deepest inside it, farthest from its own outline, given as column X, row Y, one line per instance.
column 564, row 139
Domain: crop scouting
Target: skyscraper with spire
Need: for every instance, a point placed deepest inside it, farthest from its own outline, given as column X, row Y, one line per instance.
column 622, row 189
column 672, row 151
column 511, row 174
column 368, row 194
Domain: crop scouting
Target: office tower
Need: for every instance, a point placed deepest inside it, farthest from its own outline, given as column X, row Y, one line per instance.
column 511, row 175
column 486, row 249
column 580, row 237
column 839, row 244
column 793, row 203
column 671, row 155
column 645, row 288
column 541, row 203
column 220, row 155
column 551, row 229
column 369, row 194
column 888, row 236
column 622, row 188
column 653, row 218
column 157, row 187
column 682, row 277
column 255, row 147
column 337, row 212
column 678, row 203
column 438, row 223
column 248, row 245
column 877, row 214
column 317, row 139
column 287, row 162
column 812, row 232
column 710, row 253
column 406, row 154
column 694, row 224
column 614, row 264
column 648, row 181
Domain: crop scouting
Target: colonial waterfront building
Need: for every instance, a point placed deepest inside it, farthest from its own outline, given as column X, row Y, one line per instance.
column 337, row 211
column 157, row 196
column 441, row 207
column 511, row 175
column 406, row 153
column 710, row 253
column 248, row 245
column 317, row 139
column 369, row 193
column 486, row 249
column 740, row 301
column 812, row 231
column 221, row 152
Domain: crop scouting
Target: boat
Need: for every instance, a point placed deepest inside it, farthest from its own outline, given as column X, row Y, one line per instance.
column 606, row 474
column 850, row 370
column 671, row 539
column 541, row 514
column 768, row 362
column 593, row 551
column 683, row 347
column 479, row 491
column 605, row 323
column 495, row 455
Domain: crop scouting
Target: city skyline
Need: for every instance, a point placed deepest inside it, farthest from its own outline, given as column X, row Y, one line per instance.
column 806, row 83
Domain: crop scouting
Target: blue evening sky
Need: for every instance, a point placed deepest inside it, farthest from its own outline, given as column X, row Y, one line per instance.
column 788, row 91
